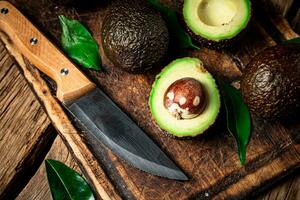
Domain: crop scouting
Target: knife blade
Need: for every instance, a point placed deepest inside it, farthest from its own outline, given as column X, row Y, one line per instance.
column 107, row 123
column 99, row 116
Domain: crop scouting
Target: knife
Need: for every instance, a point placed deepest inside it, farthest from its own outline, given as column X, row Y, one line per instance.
column 102, row 120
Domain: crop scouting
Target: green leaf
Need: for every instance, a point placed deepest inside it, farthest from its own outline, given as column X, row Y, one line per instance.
column 238, row 118
column 183, row 39
column 79, row 44
column 295, row 40
column 65, row 183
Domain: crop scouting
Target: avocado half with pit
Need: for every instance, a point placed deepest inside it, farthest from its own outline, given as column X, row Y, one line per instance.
column 215, row 23
column 185, row 100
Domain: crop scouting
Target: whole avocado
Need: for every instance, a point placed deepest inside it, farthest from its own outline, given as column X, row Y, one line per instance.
column 271, row 82
column 134, row 35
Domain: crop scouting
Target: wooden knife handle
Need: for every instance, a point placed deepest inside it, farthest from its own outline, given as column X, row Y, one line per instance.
column 71, row 83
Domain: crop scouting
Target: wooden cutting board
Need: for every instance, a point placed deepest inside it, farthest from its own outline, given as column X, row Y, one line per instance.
column 210, row 161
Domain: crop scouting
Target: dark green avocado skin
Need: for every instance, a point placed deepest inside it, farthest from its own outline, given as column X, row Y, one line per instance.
column 271, row 82
column 134, row 35
column 211, row 44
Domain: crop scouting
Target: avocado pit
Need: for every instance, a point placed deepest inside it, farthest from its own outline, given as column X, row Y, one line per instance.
column 185, row 98
column 197, row 111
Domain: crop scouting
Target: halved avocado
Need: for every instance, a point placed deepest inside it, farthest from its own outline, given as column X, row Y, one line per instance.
column 216, row 23
column 184, row 69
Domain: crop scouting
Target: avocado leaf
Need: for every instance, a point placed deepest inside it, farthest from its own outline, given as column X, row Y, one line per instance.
column 238, row 118
column 295, row 40
column 79, row 44
column 65, row 183
column 176, row 30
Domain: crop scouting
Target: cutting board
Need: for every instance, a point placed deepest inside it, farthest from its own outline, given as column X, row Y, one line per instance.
column 211, row 160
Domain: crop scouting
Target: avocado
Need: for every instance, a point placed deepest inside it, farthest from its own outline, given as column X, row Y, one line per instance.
column 271, row 82
column 87, row 4
column 134, row 35
column 215, row 23
column 184, row 100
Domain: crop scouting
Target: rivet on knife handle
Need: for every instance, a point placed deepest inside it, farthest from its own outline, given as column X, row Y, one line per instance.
column 102, row 120
column 71, row 83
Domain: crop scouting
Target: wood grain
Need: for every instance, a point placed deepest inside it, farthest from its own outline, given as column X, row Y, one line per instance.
column 83, row 156
column 211, row 161
column 38, row 187
column 271, row 14
column 44, row 55
column 287, row 189
column 25, row 134
column 280, row 6
column 296, row 22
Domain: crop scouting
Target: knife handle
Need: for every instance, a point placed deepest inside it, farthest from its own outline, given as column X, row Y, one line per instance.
column 71, row 83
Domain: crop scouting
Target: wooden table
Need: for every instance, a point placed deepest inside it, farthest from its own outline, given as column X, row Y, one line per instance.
column 23, row 121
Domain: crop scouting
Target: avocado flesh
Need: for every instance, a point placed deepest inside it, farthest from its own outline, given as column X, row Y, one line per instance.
column 271, row 82
column 216, row 20
column 178, row 69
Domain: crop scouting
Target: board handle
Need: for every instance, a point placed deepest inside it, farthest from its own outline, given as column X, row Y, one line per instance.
column 71, row 83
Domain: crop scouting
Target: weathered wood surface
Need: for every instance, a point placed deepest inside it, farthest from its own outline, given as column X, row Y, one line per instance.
column 274, row 18
column 296, row 22
column 96, row 176
column 290, row 10
column 211, row 162
column 287, row 189
column 25, row 134
column 280, row 6
column 38, row 187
